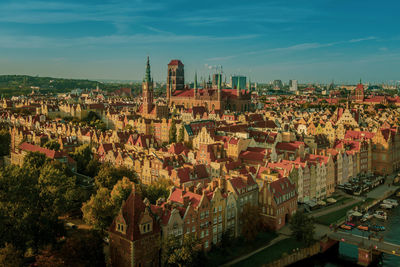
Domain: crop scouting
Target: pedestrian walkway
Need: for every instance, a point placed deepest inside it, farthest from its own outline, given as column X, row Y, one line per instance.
column 334, row 208
column 383, row 190
column 274, row 241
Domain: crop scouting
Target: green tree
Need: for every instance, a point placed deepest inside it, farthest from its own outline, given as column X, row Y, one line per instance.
column 172, row 132
column 82, row 155
column 302, row 227
column 103, row 206
column 251, row 222
column 32, row 198
column 52, row 144
column 84, row 249
column 56, row 189
column 109, row 175
column 157, row 190
column 10, row 256
column 186, row 252
column 49, row 258
column 92, row 168
column 5, row 141
column 34, row 161
column 121, row 191
column 99, row 210
column 181, row 135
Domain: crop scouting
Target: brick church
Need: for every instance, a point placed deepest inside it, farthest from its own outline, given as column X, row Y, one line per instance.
column 148, row 109
column 213, row 98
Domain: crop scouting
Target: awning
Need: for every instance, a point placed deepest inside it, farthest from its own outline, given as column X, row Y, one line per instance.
column 331, row 200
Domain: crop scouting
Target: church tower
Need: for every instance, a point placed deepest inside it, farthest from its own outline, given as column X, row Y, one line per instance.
column 147, row 90
column 359, row 92
column 176, row 75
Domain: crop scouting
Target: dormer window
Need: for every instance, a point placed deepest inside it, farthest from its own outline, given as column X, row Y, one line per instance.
column 121, row 227
column 146, row 228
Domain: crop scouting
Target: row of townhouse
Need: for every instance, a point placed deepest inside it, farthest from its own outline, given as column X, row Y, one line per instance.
column 206, row 213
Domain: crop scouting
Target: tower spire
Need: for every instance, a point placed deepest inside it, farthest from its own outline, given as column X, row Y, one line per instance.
column 148, row 75
column 195, row 80
column 249, row 84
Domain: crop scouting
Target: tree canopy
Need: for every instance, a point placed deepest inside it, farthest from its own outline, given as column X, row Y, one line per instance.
column 5, row 141
column 103, row 206
column 32, row 198
column 82, row 248
column 186, row 252
column 109, row 175
column 302, row 227
column 52, row 144
column 172, row 132
column 181, row 135
column 157, row 190
column 87, row 164
column 251, row 222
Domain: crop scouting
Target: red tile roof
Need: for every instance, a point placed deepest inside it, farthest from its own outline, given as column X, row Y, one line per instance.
column 174, row 62
column 132, row 212
column 178, row 195
column 48, row 152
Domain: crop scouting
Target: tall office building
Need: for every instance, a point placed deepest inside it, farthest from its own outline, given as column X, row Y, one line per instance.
column 277, row 84
column 215, row 78
column 293, row 85
column 238, row 80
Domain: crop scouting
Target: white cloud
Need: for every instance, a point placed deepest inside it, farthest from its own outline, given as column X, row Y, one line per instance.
column 11, row 41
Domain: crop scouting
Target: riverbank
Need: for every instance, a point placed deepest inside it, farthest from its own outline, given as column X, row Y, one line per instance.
column 281, row 255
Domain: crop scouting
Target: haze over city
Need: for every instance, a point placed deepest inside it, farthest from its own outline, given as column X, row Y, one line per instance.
column 309, row 41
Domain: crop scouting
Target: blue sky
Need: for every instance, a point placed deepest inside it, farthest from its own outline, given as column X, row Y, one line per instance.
column 313, row 40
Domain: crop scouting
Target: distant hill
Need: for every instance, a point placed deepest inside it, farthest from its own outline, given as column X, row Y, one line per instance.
column 23, row 84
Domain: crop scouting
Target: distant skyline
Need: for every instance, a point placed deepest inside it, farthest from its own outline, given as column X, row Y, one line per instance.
column 306, row 40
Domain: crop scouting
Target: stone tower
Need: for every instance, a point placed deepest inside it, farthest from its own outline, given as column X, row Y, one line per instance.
column 147, row 90
column 359, row 92
column 175, row 77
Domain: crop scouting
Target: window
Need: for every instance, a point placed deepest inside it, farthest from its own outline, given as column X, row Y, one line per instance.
column 220, row 208
column 193, row 229
column 206, row 244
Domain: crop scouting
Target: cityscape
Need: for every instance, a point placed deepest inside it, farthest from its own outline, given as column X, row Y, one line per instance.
column 141, row 133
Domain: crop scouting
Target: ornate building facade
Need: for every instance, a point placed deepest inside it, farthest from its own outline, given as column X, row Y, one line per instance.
column 212, row 98
column 148, row 109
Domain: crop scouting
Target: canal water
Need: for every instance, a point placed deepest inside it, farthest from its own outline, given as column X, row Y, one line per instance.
column 348, row 253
